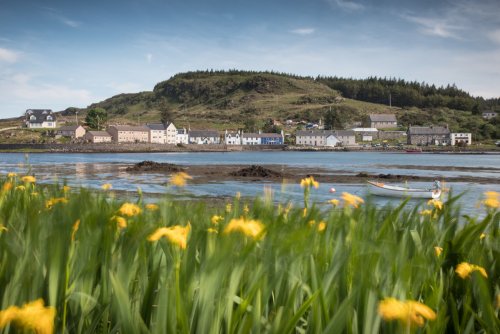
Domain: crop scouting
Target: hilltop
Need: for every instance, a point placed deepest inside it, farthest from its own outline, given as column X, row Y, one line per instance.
column 245, row 99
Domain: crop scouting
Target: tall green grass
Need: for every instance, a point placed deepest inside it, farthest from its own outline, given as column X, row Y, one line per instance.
column 293, row 278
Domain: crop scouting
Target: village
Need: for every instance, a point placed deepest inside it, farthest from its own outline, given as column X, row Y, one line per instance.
column 377, row 128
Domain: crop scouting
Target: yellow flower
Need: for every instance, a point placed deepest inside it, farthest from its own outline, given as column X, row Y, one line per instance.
column 3, row 228
column 426, row 212
column 334, row 202
column 228, row 207
column 408, row 312
column 66, row 189
column 309, row 182
column 51, row 202
column 28, row 179
column 6, row 186
column 129, row 209
column 492, row 203
column 321, row 226
column 31, row 316
column 176, row 235
column 152, row 207
column 212, row 230
column 11, row 175
column 75, row 228
column 464, row 270
column 21, row 187
column 435, row 203
column 438, row 250
column 251, row 228
column 351, row 200
column 304, row 212
column 492, row 194
column 311, row 222
column 106, row 186
column 120, row 221
column 482, row 236
column 246, row 209
column 216, row 219
column 179, row 179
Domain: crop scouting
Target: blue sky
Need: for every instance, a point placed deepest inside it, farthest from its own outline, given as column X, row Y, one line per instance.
column 61, row 53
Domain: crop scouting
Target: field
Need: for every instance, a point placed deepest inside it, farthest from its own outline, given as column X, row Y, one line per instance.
column 76, row 261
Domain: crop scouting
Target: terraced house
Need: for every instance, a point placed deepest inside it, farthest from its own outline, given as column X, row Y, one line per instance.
column 204, row 137
column 428, row 135
column 329, row 138
column 162, row 133
column 129, row 134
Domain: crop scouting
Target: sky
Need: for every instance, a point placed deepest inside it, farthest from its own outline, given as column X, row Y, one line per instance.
column 56, row 54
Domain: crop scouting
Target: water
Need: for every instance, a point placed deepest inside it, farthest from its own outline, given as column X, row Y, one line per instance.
column 92, row 170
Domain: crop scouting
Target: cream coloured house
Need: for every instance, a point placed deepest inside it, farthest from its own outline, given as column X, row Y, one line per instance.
column 129, row 134
column 97, row 137
column 73, row 131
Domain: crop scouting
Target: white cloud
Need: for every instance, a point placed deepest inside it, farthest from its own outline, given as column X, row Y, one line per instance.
column 8, row 56
column 149, row 57
column 434, row 27
column 303, row 31
column 56, row 14
column 347, row 5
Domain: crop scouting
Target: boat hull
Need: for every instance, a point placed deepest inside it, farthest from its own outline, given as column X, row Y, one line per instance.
column 381, row 189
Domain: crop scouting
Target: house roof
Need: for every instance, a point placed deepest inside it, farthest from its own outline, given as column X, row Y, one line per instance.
column 365, row 130
column 140, row 128
column 313, row 133
column 156, row 126
column 261, row 135
column 40, row 115
column 98, row 133
column 383, row 118
column 203, row 133
column 69, row 128
column 428, row 130
column 344, row 133
column 182, row 131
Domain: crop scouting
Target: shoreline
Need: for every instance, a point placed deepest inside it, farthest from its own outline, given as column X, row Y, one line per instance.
column 194, row 148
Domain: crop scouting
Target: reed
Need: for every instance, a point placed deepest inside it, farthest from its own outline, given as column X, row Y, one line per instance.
column 108, row 266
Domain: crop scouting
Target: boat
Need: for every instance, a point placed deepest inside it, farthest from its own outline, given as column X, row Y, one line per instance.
column 381, row 189
column 414, row 150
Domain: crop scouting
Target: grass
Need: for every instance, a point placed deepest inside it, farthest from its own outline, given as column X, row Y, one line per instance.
column 306, row 271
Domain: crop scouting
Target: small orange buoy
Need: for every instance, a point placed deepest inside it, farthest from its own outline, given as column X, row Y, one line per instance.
column 332, row 190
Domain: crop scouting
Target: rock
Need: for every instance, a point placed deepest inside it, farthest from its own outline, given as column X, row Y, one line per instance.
column 256, row 171
column 151, row 166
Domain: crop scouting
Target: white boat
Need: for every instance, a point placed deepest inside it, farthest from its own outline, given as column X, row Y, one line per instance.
column 381, row 189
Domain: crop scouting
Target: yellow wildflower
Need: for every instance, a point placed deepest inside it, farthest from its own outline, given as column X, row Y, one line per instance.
column 482, row 236
column 435, row 203
column 246, row 210
column 216, row 219
column 408, row 312
column 251, row 228
column 34, row 194
column 212, row 230
column 179, row 179
column 21, row 187
column 106, row 186
column 228, row 207
column 309, row 182
column 438, row 250
column 28, row 179
column 176, row 235
column 6, row 186
column 492, row 199
column 129, row 209
column 321, row 226
column 334, row 202
column 311, row 222
column 351, row 200
column 11, row 175
column 53, row 201
column 304, row 212
column 426, row 212
column 464, row 270
column 75, row 228
column 31, row 316
column 152, row 207
column 66, row 189
column 3, row 228
column 120, row 221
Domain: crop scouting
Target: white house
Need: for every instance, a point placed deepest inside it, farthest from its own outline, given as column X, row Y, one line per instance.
column 250, row 139
column 40, row 118
column 325, row 137
column 459, row 138
column 366, row 134
column 232, row 138
column 182, row 136
column 489, row 114
column 162, row 134
column 204, row 137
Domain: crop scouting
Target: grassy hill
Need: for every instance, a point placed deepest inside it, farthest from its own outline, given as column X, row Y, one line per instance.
column 229, row 99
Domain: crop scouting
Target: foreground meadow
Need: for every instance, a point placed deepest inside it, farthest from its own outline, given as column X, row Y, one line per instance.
column 79, row 261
